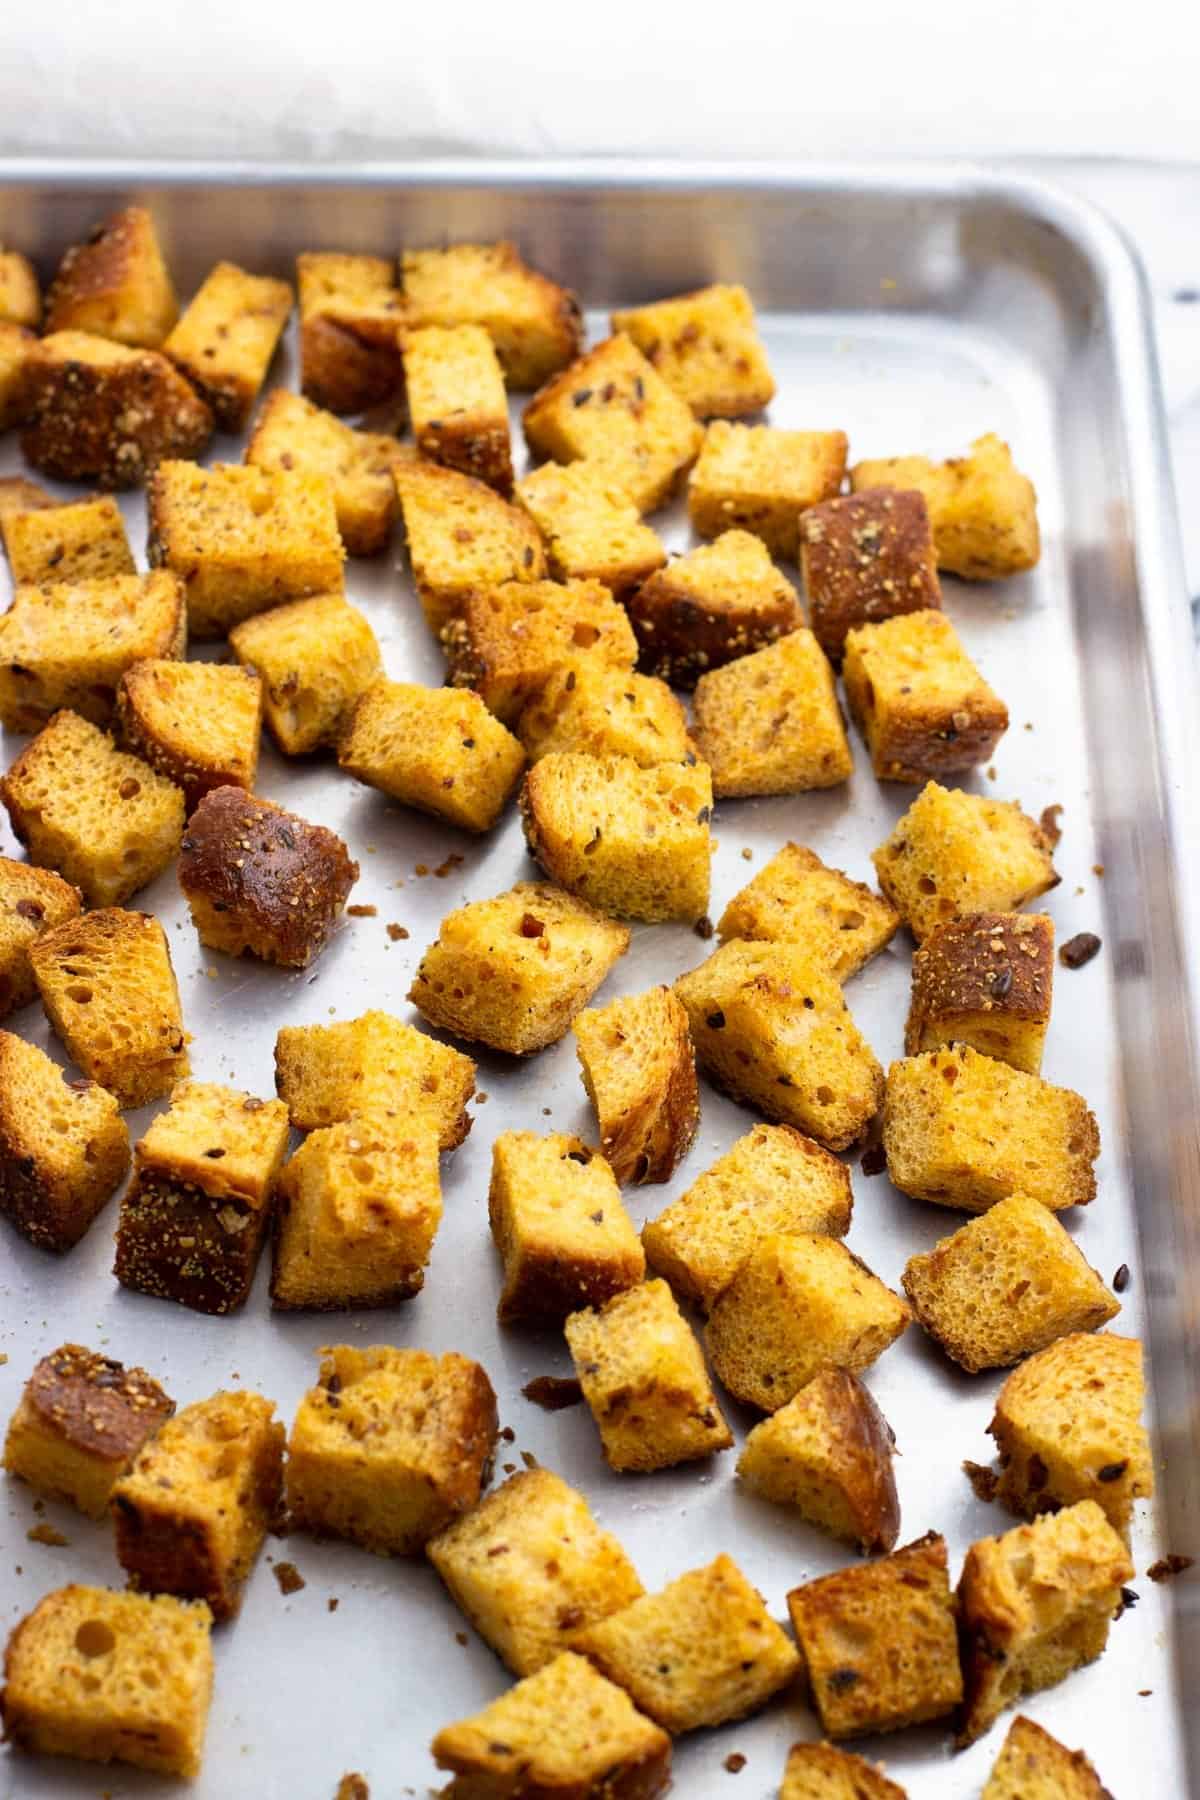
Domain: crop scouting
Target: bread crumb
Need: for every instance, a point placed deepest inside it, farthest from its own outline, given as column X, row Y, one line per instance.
column 353, row 1787
column 553, row 1392
column 531, row 1462
column 1167, row 1566
column 396, row 932
column 747, row 853
column 331, row 1605
column 735, row 1762
column 446, row 868
column 982, row 1479
column 289, row 1578
column 46, row 1534
column 362, row 912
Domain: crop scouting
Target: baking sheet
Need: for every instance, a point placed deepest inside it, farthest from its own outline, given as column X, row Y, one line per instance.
column 946, row 327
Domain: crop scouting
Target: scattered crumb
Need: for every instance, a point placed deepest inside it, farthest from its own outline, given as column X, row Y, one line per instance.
column 289, row 1578
column 353, row 1787
column 481, row 1099
column 982, row 1479
column 509, row 1468
column 703, row 928
column 1078, row 891
column 362, row 912
column 331, row 1605
column 1145, row 1693
column 531, row 1462
column 420, row 869
column 211, row 973
column 448, row 867
column 371, row 849
column 396, row 932
column 1120, row 1280
column 46, row 1534
column 545, row 1112
column 747, row 853
column 887, row 284
column 460, row 1637
column 1049, row 822
column 735, row 1762
column 3, row 1358
column 1098, row 869
column 874, row 1160
column 1162, row 1570
column 1079, row 950
column 553, row 1392
column 1028, row 726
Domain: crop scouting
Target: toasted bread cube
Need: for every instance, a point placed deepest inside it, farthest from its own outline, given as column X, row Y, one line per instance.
column 350, row 309
column 193, row 1511
column 797, row 899
column 1034, row 1605
column 963, row 1130
column 770, row 1026
column 115, row 284
column 921, row 704
column 878, row 1642
column 589, row 821
column 563, row 1731
column 706, row 347
column 1032, row 1765
column 760, row 479
column 20, row 297
column 17, row 347
column 104, row 819
column 292, row 434
column 639, row 1070
column 464, row 540
column 828, row 1453
column 534, row 323
column 227, row 337
column 549, row 951
column 770, row 723
column 329, row 1073
column 986, row 980
column 605, row 712
column 81, row 1420
column 359, row 1207
column 711, row 606
column 508, row 641
column 63, row 1147
column 564, row 1238
column 242, row 540
column 1004, row 1285
column 593, row 531
column 83, row 542
column 822, row 1772
column 31, row 900
column 954, row 853
column 197, row 723
column 456, row 401
column 315, row 657
column 865, row 558
column 796, row 1306
column 260, row 881
column 438, row 749
column 18, row 495
column 530, row 1568
column 983, row 510
column 110, row 1677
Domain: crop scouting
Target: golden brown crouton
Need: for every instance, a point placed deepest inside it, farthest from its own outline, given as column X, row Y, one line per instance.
column 31, row 900
column 639, row 1070
column 605, row 712
column 986, row 980
column 822, row 1772
column 593, row 531
column 226, row 339
column 706, row 346
column 534, row 323
column 509, row 640
column 292, row 434
column 464, row 541
column 796, row 899
column 329, row 1073
column 350, row 309
column 918, row 699
column 710, row 607
column 316, row 657
column 17, row 348
column 63, row 1147
column 864, row 558
column 438, row 749
column 67, row 543
column 115, row 284
column 770, row 723
column 1032, row 1765
column 761, row 479
column 198, row 723
column 81, row 1420
column 983, row 510
column 20, row 298
column 456, row 401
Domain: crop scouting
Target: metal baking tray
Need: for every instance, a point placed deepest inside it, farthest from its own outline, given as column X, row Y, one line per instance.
column 915, row 307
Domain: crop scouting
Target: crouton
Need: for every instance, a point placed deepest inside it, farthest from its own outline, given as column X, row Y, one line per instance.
column 193, row 1511
column 760, row 479
column 63, row 1147
column 242, row 540
column 292, row 434
column 1034, row 1605
column 986, row 980
column 438, row 749
column 530, row 1568
column 711, row 606
column 110, row 1677
column 17, row 348
column 635, row 1055
column 18, row 495
column 281, row 897
column 115, row 284
column 227, row 337
column 565, row 1240
column 702, row 1651
column 508, row 641
column 822, row 1772
column 865, row 558
column 770, row 1026
column 329, row 1073
column 878, row 1641
column 20, row 297
column 104, row 819
column 456, row 401
column 197, row 723
column 463, row 539
column 534, row 323
column 630, row 841
column 983, row 510
column 706, row 347
column 644, row 1380
column 796, row 899
column 828, row 1453
column 796, row 1306
column 31, row 900
column 921, row 704
column 593, row 531
column 1004, row 1285
column 963, row 1130
column 605, row 712
column 1032, row 1765
column 770, row 723
column 83, row 542
column 110, row 993
column 81, row 1420
column 316, row 657
column 954, row 853
column 350, row 310
column 613, row 411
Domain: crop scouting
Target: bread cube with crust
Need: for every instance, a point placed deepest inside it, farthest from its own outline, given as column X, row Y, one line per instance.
column 711, row 606
column 706, row 347
column 316, row 658
column 795, row 898
column 115, row 284
column 227, row 337
column 63, row 1147
column 31, row 900
column 17, row 347
column 82, row 542
column 918, row 699
column 823, row 1772
column 605, row 712
column 865, row 558
column 770, row 722
column 1032, row 1765
column 986, row 980
column 438, row 749
column 291, row 434
column 760, row 478
column 638, row 1067
column 593, row 531
column 983, row 510
column 464, row 539
column 534, row 323
column 329, row 1073
column 530, row 1568
column 197, row 723
column 350, row 312
column 20, row 297
column 456, row 401
column 509, row 640
column 81, row 1420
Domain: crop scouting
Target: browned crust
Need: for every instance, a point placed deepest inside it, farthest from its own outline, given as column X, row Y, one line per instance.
column 343, row 370
column 545, row 1292
column 929, row 739
column 649, row 1141
column 864, row 558
column 98, row 266
column 1001, row 964
column 680, row 638
column 96, row 1404
column 475, row 446
column 642, row 1778
column 863, row 1446
column 49, row 1212
column 177, row 1243
column 114, row 423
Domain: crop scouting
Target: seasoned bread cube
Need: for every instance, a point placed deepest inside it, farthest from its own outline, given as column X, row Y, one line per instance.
column 636, row 1058
column 438, row 749
column 954, row 853
column 565, row 1240
column 644, row 1379
column 921, row 704
column 110, row 1677
column 18, row 495
column 110, row 993
column 983, row 510
column 828, row 1453
column 464, row 541
column 530, row 1568
column 593, row 531
column 796, row 1306
column 227, row 337
column 1032, row 1765
column 629, row 840
column 986, row 980
column 359, row 1207
column 549, row 950
column 63, row 1147
column 770, row 723
column 823, row 1772
column 456, row 401
column 796, row 899
column 605, row 712
column 292, row 434
column 963, row 1130
column 1004, row 1285
column 83, row 542
column 770, row 1026
column 761, row 479
column 17, row 347
column 706, row 347
column 1034, row 1605
column 865, row 558
column 242, row 540
column 315, row 657
column 534, row 323
column 81, row 1420
column 31, row 900
column 350, row 309
column 193, row 1511
column 565, row 1731
column 508, row 641
column 20, row 298
column 115, row 284
column 278, row 899
column 878, row 1641
column 613, row 411
column 104, row 819
column 700, row 1652
column 329, row 1073
column 197, row 723
column 711, row 606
